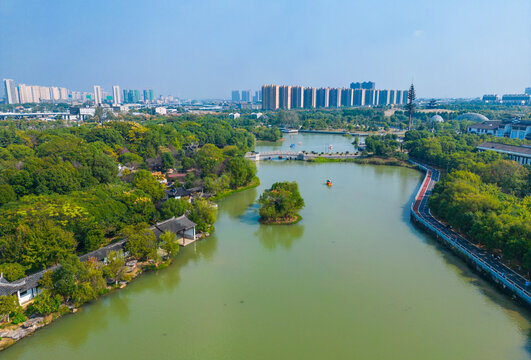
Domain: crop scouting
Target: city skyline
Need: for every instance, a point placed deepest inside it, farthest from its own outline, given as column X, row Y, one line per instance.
column 187, row 48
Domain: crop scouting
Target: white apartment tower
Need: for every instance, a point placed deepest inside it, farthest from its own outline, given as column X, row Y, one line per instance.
column 97, row 94
column 11, row 91
column 116, row 95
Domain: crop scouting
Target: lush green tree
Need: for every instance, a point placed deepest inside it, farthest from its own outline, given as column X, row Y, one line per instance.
column 174, row 207
column 147, row 183
column 209, row 157
column 46, row 303
column 168, row 162
column 7, row 194
column 12, row 271
column 241, row 171
column 115, row 267
column 142, row 243
column 8, row 306
column 45, row 244
column 281, row 202
column 203, row 214
column 168, row 243
column 77, row 281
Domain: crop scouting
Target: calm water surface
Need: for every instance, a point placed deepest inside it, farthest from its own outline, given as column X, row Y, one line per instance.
column 353, row 280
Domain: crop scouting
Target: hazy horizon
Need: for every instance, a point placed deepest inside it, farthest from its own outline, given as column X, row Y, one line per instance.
column 207, row 48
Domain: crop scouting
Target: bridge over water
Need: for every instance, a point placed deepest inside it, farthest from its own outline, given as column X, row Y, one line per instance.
column 295, row 155
column 271, row 155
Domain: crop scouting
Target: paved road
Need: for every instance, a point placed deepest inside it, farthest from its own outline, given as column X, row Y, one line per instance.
column 505, row 274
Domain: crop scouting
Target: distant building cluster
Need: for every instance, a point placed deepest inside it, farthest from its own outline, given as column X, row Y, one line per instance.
column 246, row 96
column 137, row 96
column 509, row 99
column 358, row 94
column 23, row 94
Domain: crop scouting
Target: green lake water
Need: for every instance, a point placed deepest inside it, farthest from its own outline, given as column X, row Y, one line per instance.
column 353, row 280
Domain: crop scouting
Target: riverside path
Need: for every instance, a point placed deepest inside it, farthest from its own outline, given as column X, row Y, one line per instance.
column 484, row 262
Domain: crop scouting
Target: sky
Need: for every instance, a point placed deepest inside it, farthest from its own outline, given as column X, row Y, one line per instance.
column 205, row 48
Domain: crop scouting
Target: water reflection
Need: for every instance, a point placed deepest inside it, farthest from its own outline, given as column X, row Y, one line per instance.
column 237, row 204
column 272, row 236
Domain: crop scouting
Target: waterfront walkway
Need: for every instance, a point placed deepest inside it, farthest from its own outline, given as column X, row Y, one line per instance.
column 483, row 260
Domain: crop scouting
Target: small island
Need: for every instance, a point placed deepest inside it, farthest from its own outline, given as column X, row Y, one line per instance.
column 280, row 204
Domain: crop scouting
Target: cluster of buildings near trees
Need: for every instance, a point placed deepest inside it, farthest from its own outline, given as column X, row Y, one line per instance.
column 510, row 128
column 358, row 94
column 509, row 99
column 35, row 94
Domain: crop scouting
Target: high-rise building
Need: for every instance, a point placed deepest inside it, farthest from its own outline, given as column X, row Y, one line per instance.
column 310, row 97
column 367, row 85
column 359, row 97
column 323, row 97
column 63, row 93
column 257, row 96
column 405, row 94
column 246, row 95
column 297, row 97
column 97, row 95
column 236, row 95
column 347, row 97
column 44, row 93
column 371, row 97
column 11, row 91
column 384, row 97
column 284, row 97
column 25, row 94
column 145, row 96
column 151, row 95
column 270, row 97
column 116, row 99
column 335, row 98
column 136, row 96
column 35, row 93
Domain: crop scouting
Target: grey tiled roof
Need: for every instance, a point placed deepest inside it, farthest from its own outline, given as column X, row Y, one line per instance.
column 524, row 150
column 174, row 225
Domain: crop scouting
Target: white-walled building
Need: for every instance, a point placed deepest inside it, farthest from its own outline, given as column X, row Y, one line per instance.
column 161, row 110
column 97, row 94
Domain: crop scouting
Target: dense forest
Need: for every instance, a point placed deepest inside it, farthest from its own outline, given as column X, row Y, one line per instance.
column 71, row 190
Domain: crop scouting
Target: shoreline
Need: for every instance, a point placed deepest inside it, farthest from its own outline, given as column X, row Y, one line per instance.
column 11, row 333
column 287, row 222
column 254, row 183
column 372, row 160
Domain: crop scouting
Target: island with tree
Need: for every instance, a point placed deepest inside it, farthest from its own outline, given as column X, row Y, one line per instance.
column 280, row 203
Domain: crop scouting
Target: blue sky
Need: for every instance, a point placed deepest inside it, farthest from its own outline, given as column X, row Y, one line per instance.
column 206, row 48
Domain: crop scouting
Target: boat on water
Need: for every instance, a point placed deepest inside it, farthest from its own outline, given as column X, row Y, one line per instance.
column 292, row 146
column 328, row 183
column 290, row 131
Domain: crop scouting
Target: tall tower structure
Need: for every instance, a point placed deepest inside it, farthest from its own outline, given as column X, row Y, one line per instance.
column 116, row 95
column 97, row 94
column 11, row 91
